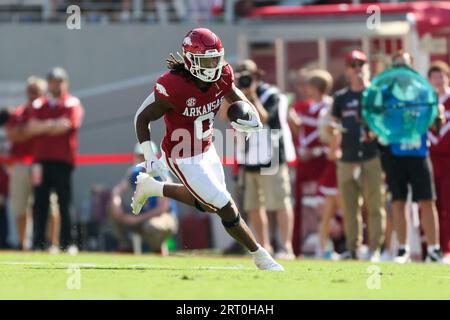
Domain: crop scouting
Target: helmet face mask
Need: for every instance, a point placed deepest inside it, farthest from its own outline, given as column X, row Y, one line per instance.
column 203, row 55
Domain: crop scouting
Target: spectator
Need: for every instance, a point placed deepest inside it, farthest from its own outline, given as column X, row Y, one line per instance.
column 157, row 220
column 55, row 150
column 319, row 86
column 359, row 169
column 266, row 192
column 311, row 153
column 200, row 11
column 21, row 140
column 409, row 164
column 125, row 14
column 438, row 75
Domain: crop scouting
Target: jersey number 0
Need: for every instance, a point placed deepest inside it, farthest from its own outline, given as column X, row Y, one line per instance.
column 198, row 123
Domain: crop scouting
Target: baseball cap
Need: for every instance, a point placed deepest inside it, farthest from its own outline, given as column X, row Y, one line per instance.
column 248, row 66
column 355, row 55
column 57, row 73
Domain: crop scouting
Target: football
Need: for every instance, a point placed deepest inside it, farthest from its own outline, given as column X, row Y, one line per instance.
column 238, row 110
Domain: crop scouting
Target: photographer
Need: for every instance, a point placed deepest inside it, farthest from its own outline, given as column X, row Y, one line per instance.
column 156, row 223
column 263, row 151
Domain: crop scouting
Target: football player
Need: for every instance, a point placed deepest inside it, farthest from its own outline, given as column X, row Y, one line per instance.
column 188, row 96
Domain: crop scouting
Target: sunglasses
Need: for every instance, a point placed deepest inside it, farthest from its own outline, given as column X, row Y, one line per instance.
column 357, row 64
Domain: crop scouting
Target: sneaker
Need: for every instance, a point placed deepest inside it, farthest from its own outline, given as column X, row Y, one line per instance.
column 446, row 259
column 330, row 255
column 386, row 256
column 348, row 255
column 403, row 256
column 283, row 255
column 375, row 256
column 72, row 250
column 53, row 249
column 146, row 186
column 264, row 261
column 434, row 255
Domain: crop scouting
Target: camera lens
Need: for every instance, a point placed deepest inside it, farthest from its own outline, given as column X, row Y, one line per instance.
column 245, row 81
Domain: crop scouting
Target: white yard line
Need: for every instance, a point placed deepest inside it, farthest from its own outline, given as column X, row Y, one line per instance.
column 23, row 263
column 99, row 266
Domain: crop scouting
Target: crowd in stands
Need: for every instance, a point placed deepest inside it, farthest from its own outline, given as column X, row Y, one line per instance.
column 148, row 11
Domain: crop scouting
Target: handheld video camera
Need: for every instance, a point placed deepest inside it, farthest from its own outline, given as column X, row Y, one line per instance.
column 245, row 80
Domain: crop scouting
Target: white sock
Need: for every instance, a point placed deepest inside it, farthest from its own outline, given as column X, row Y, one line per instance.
column 404, row 247
column 159, row 185
column 159, row 188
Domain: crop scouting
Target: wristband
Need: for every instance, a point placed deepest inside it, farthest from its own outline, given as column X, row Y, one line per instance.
column 147, row 150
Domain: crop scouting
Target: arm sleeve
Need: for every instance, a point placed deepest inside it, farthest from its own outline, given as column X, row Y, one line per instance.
column 228, row 77
column 76, row 115
column 163, row 89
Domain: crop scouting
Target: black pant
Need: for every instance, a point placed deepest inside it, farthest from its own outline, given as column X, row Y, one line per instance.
column 416, row 171
column 56, row 176
column 3, row 227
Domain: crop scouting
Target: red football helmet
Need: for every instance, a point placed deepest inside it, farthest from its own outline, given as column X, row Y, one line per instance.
column 203, row 54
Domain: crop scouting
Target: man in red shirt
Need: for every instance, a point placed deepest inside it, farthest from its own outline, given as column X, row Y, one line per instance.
column 438, row 74
column 54, row 154
column 21, row 148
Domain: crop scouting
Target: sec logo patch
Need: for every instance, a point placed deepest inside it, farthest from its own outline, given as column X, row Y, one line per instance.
column 191, row 102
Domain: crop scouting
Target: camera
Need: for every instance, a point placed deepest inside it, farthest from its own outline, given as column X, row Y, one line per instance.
column 5, row 114
column 245, row 81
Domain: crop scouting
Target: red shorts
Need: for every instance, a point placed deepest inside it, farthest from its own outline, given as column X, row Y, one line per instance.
column 311, row 170
column 328, row 180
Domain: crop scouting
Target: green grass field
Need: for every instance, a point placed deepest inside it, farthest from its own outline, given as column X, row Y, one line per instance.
column 108, row 276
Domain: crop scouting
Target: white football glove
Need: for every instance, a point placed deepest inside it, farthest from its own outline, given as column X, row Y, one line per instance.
column 155, row 168
column 248, row 126
column 152, row 164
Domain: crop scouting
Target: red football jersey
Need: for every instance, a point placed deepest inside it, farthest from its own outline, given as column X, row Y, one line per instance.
column 61, row 147
column 440, row 142
column 189, row 126
column 308, row 136
column 20, row 117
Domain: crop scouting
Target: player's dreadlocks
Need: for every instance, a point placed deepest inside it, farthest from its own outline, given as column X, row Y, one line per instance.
column 176, row 66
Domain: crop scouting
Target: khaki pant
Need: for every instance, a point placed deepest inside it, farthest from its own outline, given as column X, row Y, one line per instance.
column 362, row 179
column 272, row 192
column 153, row 231
column 158, row 229
column 21, row 190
